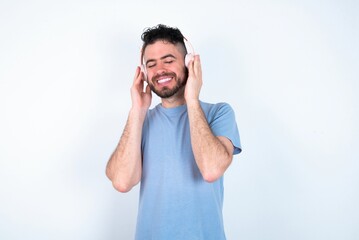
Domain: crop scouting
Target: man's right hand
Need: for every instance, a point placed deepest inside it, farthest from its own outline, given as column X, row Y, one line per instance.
column 141, row 100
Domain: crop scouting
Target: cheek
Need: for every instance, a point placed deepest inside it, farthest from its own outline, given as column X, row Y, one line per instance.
column 183, row 73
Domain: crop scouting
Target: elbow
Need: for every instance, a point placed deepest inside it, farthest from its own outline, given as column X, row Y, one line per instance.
column 122, row 187
column 119, row 185
column 122, row 184
column 211, row 176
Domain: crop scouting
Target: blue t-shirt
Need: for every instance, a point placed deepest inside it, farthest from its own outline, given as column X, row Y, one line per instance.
column 175, row 202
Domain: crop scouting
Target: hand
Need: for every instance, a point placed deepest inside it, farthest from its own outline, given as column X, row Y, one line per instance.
column 194, row 81
column 140, row 99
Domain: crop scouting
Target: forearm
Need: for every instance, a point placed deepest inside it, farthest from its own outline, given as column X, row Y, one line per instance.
column 211, row 155
column 125, row 165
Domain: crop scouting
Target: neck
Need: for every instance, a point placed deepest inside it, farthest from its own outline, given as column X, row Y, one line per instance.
column 174, row 101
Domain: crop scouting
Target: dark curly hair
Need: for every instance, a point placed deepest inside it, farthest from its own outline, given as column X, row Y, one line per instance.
column 162, row 32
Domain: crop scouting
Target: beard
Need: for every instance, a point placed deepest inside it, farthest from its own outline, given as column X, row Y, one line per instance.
column 167, row 92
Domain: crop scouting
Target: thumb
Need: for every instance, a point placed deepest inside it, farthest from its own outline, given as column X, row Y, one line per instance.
column 148, row 89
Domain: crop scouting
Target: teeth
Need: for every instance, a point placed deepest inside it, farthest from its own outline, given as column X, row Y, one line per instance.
column 164, row 80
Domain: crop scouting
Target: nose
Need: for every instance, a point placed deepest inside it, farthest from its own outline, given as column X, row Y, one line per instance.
column 159, row 69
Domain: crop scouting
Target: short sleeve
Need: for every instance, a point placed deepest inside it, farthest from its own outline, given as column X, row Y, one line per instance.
column 223, row 123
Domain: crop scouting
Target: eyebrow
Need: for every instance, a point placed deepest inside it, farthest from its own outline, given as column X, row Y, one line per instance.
column 165, row 56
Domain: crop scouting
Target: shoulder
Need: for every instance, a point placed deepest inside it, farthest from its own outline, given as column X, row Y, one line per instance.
column 220, row 108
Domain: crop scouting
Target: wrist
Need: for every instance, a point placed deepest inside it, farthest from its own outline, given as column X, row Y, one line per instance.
column 138, row 113
column 193, row 102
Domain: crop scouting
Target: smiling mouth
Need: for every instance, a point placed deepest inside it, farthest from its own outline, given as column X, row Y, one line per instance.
column 164, row 80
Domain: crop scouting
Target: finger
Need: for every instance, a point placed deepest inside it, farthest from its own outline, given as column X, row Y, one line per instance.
column 197, row 65
column 190, row 67
column 148, row 89
column 138, row 78
column 138, row 70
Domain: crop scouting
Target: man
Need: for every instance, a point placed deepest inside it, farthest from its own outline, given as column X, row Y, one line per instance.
column 179, row 150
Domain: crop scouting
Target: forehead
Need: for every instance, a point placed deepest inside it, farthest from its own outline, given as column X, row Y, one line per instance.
column 161, row 48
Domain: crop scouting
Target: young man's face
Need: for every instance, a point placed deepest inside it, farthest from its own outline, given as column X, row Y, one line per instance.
column 165, row 66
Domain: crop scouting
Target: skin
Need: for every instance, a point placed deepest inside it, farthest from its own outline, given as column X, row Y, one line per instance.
column 166, row 71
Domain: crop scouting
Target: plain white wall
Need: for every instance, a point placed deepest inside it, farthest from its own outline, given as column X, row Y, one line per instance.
column 288, row 68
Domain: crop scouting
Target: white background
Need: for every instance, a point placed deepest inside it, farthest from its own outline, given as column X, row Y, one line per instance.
column 288, row 68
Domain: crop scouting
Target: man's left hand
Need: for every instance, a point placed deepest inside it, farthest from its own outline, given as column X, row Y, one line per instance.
column 194, row 81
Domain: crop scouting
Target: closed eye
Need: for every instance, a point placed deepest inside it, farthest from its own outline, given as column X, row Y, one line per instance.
column 151, row 65
column 168, row 59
